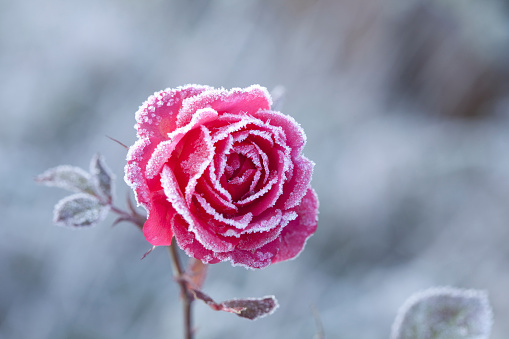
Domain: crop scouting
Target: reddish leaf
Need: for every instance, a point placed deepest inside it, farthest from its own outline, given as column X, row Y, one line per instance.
column 250, row 308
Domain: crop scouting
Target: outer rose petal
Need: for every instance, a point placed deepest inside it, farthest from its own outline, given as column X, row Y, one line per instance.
column 137, row 159
column 248, row 101
column 295, row 234
column 260, row 258
column 187, row 241
column 295, row 137
column 157, row 229
column 295, row 189
column 156, row 117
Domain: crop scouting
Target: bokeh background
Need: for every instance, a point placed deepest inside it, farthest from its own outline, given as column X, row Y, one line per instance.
column 405, row 104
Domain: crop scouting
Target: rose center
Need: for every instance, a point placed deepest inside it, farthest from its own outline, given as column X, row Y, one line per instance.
column 238, row 175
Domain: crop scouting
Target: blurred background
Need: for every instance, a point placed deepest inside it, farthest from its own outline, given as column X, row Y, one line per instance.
column 405, row 105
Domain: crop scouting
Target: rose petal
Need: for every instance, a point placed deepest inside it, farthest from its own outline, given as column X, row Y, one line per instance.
column 187, row 241
column 295, row 234
column 165, row 149
column 157, row 229
column 295, row 188
column 241, row 221
column 216, row 200
column 268, row 195
column 248, row 100
column 137, row 158
column 194, row 159
column 295, row 136
column 259, row 258
column 236, row 101
column 206, row 237
column 156, row 117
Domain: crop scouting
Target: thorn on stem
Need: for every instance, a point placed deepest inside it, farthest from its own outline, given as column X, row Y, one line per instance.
column 147, row 253
column 118, row 142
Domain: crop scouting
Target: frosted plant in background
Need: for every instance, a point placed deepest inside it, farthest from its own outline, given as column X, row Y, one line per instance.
column 444, row 313
column 220, row 174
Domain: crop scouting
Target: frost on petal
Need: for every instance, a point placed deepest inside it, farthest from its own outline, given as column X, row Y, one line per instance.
column 216, row 200
column 268, row 220
column 160, row 156
column 193, row 104
column 248, row 101
column 223, row 148
column 259, row 258
column 157, row 229
column 71, row 178
column 194, row 160
column 264, row 198
column 239, row 186
column 240, row 222
column 102, row 177
column 295, row 234
column 443, row 313
column 137, row 158
column 157, row 116
column 253, row 241
column 236, row 101
column 295, row 188
column 200, row 228
column 79, row 210
column 295, row 136
column 165, row 149
column 187, row 241
column 269, row 194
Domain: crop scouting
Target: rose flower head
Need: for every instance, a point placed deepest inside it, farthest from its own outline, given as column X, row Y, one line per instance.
column 223, row 174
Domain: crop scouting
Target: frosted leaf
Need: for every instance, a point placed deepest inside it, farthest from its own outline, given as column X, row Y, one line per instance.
column 102, row 177
column 249, row 308
column 79, row 210
column 444, row 313
column 252, row 308
column 71, row 178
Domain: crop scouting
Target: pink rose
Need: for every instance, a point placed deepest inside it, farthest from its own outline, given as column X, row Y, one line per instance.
column 224, row 174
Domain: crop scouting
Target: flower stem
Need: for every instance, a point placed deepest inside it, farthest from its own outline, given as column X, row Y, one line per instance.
column 187, row 297
column 178, row 272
